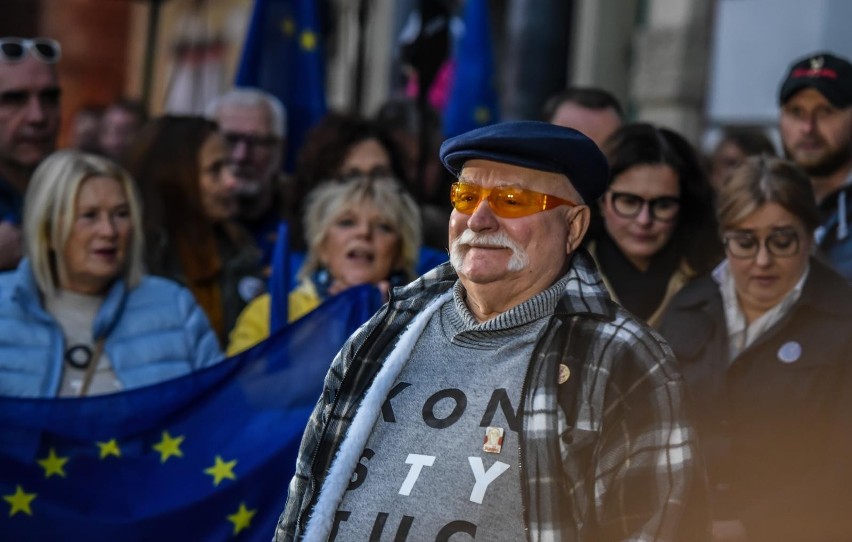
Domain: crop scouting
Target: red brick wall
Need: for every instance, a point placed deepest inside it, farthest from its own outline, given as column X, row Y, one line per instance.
column 94, row 38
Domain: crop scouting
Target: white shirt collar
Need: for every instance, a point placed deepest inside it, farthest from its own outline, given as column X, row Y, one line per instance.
column 740, row 334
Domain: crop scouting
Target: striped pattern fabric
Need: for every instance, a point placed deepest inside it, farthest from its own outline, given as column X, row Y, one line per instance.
column 608, row 455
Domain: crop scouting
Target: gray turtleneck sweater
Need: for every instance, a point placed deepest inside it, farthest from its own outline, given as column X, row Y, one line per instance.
column 424, row 474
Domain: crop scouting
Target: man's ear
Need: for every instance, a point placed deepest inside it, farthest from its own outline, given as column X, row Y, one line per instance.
column 578, row 224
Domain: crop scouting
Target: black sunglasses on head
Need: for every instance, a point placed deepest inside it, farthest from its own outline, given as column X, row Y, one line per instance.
column 15, row 49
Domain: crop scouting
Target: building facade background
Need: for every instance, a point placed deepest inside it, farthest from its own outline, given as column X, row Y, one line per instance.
column 692, row 65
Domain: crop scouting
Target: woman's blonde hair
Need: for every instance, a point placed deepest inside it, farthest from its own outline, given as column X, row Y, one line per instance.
column 764, row 179
column 49, row 207
column 330, row 199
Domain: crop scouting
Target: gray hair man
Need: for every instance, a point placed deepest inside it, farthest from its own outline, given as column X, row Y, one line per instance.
column 254, row 123
column 816, row 131
column 29, row 125
column 503, row 395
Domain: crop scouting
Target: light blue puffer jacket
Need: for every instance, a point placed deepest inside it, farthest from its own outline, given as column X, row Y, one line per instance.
column 154, row 332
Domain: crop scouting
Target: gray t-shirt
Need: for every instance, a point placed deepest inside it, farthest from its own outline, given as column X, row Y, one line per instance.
column 425, row 473
column 75, row 314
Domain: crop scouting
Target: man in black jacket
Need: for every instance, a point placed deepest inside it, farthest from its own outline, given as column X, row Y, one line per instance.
column 816, row 130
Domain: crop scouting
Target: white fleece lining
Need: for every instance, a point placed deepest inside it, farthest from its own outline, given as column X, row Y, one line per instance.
column 322, row 519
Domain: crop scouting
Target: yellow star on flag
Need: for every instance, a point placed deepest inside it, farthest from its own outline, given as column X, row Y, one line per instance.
column 221, row 470
column 242, row 519
column 482, row 115
column 108, row 448
column 288, row 27
column 169, row 446
column 308, row 40
column 52, row 464
column 20, row 501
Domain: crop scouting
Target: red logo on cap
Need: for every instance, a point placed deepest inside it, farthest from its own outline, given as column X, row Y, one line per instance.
column 821, row 73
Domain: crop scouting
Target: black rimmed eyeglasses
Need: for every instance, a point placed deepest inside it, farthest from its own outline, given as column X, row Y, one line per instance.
column 781, row 243
column 15, row 49
column 627, row 205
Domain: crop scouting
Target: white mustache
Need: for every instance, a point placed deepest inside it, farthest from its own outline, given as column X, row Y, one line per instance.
column 519, row 260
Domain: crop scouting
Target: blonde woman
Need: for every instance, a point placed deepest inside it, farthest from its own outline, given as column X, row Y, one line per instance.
column 78, row 316
column 362, row 231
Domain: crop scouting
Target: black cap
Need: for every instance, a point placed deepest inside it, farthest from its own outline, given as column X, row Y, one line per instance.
column 534, row 145
column 831, row 75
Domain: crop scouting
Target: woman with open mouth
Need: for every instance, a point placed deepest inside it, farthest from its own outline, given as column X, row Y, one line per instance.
column 361, row 230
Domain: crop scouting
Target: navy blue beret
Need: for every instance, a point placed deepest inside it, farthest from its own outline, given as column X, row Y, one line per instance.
column 534, row 145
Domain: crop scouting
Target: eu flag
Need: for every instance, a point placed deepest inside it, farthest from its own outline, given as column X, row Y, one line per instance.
column 283, row 55
column 280, row 282
column 473, row 98
column 206, row 457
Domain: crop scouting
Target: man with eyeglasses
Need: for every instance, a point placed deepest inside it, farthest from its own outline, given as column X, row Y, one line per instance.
column 29, row 124
column 254, row 124
column 503, row 395
column 816, row 131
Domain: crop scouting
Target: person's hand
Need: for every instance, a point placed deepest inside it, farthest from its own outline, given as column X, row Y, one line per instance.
column 731, row 530
column 10, row 245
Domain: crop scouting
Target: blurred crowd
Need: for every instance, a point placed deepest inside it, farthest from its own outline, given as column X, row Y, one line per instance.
column 165, row 229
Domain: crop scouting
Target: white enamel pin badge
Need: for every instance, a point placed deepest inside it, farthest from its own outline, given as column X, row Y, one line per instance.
column 493, row 441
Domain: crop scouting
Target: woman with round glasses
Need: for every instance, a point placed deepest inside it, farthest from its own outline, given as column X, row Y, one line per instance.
column 656, row 229
column 765, row 348
column 342, row 146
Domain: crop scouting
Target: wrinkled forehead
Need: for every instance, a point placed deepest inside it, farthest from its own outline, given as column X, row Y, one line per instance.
column 364, row 157
column 362, row 208
column 806, row 95
column 27, row 74
column 245, row 118
column 490, row 173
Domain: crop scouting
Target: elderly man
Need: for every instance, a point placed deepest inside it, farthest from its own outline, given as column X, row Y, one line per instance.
column 254, row 125
column 593, row 111
column 29, row 124
column 502, row 395
column 816, row 130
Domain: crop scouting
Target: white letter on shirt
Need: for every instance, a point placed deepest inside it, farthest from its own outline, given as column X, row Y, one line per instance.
column 484, row 478
column 417, row 463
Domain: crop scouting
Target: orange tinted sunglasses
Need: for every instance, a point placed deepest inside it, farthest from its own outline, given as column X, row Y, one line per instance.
column 505, row 201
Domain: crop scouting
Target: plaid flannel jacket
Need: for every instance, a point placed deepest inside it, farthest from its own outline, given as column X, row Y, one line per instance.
column 609, row 455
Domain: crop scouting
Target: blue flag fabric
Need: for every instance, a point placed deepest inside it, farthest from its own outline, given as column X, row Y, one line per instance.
column 283, row 55
column 206, row 457
column 473, row 100
column 280, row 281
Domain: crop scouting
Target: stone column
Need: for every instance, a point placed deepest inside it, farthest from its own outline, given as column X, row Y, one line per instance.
column 534, row 55
column 602, row 37
column 670, row 67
